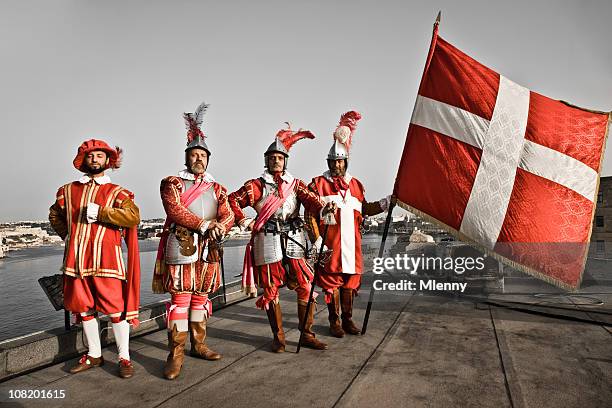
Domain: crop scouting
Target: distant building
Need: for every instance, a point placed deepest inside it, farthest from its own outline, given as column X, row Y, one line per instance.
column 150, row 229
column 601, row 238
column 26, row 236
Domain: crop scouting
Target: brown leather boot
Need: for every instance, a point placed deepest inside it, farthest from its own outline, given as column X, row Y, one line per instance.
column 308, row 339
column 346, row 301
column 176, row 343
column 334, row 315
column 275, row 318
column 86, row 362
column 126, row 368
column 197, row 336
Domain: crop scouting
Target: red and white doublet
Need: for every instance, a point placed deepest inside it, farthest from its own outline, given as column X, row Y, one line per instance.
column 345, row 266
column 96, row 278
column 279, row 247
column 92, row 215
column 188, row 259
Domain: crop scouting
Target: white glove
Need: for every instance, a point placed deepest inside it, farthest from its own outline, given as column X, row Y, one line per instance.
column 204, row 227
column 385, row 203
column 92, row 212
column 329, row 218
column 245, row 222
column 317, row 245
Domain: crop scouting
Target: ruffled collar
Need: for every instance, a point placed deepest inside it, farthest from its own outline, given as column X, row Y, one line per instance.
column 347, row 177
column 98, row 180
column 269, row 178
column 187, row 175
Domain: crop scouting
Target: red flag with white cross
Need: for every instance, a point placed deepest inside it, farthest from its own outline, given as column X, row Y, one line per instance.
column 514, row 172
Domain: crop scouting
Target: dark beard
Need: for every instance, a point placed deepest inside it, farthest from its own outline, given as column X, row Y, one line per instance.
column 95, row 171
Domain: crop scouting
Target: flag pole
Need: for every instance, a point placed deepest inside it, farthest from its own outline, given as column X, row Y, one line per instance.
column 388, row 220
column 432, row 47
column 381, row 251
column 223, row 276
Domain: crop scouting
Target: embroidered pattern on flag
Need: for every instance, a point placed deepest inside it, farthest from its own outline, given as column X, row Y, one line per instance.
column 560, row 168
column 450, row 121
column 540, row 160
column 486, row 208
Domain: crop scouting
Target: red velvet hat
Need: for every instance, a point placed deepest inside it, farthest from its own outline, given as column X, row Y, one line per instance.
column 114, row 154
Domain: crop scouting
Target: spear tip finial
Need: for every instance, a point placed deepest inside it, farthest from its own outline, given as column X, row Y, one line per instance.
column 438, row 18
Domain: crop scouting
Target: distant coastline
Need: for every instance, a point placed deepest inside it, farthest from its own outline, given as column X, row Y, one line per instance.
column 20, row 235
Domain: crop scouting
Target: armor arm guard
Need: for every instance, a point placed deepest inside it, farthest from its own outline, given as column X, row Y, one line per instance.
column 57, row 218
column 176, row 211
column 244, row 197
column 126, row 215
column 225, row 215
column 311, row 201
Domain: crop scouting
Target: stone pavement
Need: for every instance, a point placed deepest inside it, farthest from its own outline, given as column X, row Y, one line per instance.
column 420, row 350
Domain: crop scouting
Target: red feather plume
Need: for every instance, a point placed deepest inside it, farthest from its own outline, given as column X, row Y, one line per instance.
column 350, row 119
column 193, row 130
column 288, row 137
column 119, row 160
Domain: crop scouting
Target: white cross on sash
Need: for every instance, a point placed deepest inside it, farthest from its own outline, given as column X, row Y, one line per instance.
column 346, row 206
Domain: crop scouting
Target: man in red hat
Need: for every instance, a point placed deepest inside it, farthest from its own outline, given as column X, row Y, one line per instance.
column 91, row 215
column 341, row 275
column 275, row 255
column 188, row 267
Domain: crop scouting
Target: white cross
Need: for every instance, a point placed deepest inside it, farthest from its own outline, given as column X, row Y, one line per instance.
column 346, row 206
column 504, row 149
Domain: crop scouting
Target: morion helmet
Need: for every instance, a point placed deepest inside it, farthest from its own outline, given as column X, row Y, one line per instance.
column 284, row 140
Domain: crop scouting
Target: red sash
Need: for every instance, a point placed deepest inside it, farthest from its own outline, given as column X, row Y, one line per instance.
column 272, row 203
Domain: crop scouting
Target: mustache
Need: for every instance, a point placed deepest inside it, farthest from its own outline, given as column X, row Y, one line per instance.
column 197, row 167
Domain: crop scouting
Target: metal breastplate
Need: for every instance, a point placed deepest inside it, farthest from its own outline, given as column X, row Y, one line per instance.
column 289, row 209
column 205, row 206
column 280, row 234
column 268, row 246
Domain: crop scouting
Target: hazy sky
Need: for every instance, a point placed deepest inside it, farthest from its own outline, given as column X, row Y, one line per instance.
column 125, row 71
